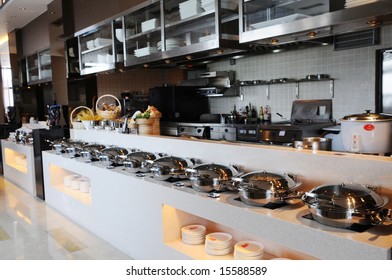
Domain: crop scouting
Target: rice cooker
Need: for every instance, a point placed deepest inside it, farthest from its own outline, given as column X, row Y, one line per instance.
column 368, row 133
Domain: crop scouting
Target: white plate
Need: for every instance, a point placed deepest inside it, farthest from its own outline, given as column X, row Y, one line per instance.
column 249, row 248
column 193, row 229
column 219, row 237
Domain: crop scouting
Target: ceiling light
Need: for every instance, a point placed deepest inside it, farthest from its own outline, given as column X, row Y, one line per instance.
column 274, row 41
column 373, row 22
column 189, row 57
column 312, row 34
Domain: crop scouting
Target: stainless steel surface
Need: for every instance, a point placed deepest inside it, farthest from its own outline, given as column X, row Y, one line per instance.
column 193, row 130
column 139, row 161
column 313, row 143
column 223, row 132
column 368, row 116
column 343, row 205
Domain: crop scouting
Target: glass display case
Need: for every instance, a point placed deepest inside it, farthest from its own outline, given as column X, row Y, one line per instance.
column 282, row 21
column 98, row 50
column 39, row 67
column 178, row 31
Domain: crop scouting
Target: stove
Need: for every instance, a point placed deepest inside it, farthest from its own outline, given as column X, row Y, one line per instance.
column 308, row 118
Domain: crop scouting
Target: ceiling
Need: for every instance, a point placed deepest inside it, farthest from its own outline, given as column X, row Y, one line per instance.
column 16, row 14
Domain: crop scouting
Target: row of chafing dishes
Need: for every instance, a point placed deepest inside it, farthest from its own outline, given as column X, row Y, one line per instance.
column 337, row 205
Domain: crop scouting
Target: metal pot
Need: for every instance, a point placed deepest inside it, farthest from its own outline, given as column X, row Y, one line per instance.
column 367, row 133
column 343, row 205
column 169, row 166
column 115, row 155
column 210, row 176
column 139, row 161
column 313, row 143
column 260, row 188
column 92, row 151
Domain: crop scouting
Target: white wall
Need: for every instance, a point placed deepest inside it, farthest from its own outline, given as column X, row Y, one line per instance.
column 354, row 71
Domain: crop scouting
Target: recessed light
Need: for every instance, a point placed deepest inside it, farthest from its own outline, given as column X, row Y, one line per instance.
column 22, row 9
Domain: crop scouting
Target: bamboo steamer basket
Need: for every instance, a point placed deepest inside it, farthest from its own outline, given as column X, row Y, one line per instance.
column 108, row 114
column 79, row 125
column 145, row 126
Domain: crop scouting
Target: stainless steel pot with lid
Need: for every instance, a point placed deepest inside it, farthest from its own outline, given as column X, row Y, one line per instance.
column 170, row 166
column 259, row 188
column 211, row 176
column 368, row 116
column 343, row 205
column 113, row 154
column 139, row 161
column 92, row 151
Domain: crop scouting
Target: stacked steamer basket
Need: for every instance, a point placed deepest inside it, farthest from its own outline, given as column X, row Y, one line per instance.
column 218, row 243
column 248, row 250
column 193, row 234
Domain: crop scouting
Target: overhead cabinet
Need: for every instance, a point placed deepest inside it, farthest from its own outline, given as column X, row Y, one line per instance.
column 98, row 49
column 176, row 31
column 39, row 67
column 161, row 33
column 283, row 21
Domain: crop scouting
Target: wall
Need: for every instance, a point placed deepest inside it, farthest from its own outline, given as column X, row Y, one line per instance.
column 354, row 71
column 137, row 80
column 85, row 16
column 35, row 35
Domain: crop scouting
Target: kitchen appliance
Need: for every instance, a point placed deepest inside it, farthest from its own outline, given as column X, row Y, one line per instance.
column 197, row 130
column 218, row 83
column 223, row 132
column 308, row 118
column 367, row 133
column 179, row 103
column 247, row 132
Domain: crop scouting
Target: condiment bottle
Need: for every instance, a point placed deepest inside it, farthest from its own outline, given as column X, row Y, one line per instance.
column 261, row 114
column 267, row 113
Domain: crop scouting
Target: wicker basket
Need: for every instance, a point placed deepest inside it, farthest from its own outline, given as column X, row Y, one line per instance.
column 108, row 114
column 76, row 124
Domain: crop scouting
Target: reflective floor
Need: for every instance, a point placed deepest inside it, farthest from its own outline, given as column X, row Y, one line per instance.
column 31, row 230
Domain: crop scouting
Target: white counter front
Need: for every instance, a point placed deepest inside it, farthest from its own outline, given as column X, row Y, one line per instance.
column 18, row 165
column 143, row 217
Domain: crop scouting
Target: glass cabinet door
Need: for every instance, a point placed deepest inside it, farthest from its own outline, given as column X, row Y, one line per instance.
column 32, row 68
column 198, row 23
column 264, row 13
column 97, row 50
column 142, row 33
column 45, row 65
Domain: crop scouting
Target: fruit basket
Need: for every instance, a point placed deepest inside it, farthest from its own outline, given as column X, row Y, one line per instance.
column 108, row 112
column 76, row 120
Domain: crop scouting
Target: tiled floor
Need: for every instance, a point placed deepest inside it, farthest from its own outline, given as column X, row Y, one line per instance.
column 31, row 230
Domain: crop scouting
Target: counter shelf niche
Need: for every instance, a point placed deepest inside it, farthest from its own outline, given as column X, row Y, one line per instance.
column 57, row 175
column 16, row 160
column 173, row 219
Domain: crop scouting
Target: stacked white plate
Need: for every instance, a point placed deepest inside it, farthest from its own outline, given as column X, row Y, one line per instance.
column 145, row 51
column 149, row 24
column 208, row 5
column 171, row 43
column 190, row 8
column 193, row 234
column 218, row 243
column 355, row 3
column 248, row 250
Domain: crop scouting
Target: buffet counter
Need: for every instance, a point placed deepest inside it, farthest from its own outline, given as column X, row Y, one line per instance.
column 143, row 217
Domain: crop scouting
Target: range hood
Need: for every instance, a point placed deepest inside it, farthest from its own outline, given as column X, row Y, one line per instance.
column 215, row 84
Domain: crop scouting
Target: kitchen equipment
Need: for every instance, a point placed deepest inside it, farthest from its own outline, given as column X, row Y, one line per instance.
column 333, row 133
column 259, row 188
column 211, row 176
column 367, row 133
column 139, row 161
column 343, row 205
column 308, row 118
column 223, row 132
column 247, row 132
column 170, row 167
column 198, row 130
column 313, row 143
column 179, row 103
column 218, row 83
